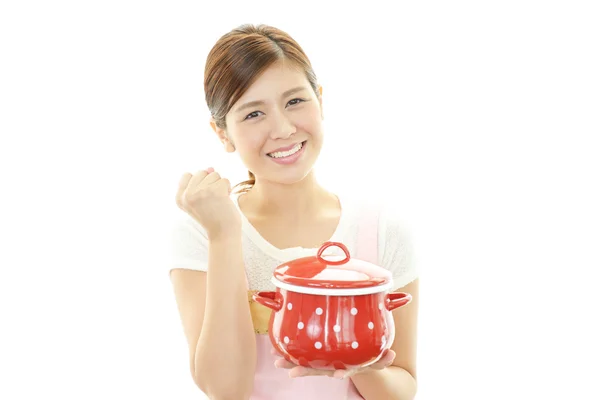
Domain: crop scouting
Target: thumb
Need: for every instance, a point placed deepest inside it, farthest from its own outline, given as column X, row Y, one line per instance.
column 345, row 373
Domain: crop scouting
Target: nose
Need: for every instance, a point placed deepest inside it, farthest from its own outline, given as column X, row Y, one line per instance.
column 282, row 127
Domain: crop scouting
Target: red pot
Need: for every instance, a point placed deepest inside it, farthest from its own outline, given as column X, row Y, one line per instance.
column 331, row 314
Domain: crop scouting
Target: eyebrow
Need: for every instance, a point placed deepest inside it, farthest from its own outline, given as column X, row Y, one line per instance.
column 261, row 102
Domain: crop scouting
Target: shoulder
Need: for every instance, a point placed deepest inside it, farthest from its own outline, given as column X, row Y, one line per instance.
column 397, row 242
column 392, row 217
column 394, row 222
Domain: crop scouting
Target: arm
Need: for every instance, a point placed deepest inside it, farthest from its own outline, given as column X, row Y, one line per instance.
column 398, row 381
column 216, row 318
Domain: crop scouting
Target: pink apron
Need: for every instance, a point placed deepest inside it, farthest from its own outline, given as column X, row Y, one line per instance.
column 272, row 383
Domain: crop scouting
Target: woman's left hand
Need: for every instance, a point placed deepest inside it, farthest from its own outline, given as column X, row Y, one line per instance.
column 298, row 371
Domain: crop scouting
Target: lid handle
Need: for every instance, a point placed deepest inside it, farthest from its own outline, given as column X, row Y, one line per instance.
column 329, row 244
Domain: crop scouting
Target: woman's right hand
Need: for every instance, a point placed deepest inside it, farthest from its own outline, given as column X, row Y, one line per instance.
column 205, row 196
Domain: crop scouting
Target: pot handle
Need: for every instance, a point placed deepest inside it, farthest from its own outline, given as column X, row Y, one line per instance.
column 268, row 299
column 397, row 299
column 329, row 244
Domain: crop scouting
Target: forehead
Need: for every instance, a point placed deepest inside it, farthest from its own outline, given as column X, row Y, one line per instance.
column 275, row 80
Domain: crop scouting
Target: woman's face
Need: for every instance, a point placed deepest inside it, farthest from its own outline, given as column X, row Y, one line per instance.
column 276, row 125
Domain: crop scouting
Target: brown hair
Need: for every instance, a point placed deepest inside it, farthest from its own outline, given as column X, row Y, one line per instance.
column 237, row 60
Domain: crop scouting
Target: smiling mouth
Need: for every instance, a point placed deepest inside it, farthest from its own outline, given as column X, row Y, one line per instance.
column 284, row 154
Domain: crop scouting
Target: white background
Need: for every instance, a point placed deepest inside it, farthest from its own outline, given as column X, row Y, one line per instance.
column 481, row 120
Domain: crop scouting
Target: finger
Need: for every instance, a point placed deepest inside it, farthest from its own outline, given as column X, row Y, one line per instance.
column 343, row 373
column 281, row 363
column 183, row 184
column 224, row 182
column 196, row 186
column 298, row 372
column 210, row 169
column 210, row 179
column 385, row 361
column 197, row 178
column 389, row 357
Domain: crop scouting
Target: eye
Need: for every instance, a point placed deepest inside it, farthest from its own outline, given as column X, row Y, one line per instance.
column 293, row 102
column 253, row 114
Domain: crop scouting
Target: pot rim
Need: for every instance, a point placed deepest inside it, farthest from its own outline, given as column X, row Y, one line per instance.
column 333, row 291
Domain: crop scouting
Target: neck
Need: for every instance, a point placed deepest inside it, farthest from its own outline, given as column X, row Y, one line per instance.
column 268, row 198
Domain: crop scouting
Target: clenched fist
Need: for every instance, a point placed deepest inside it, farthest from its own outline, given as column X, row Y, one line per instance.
column 205, row 196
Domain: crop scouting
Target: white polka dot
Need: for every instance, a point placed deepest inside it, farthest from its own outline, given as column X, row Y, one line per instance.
column 286, row 340
column 319, row 311
column 371, row 325
column 354, row 345
column 336, row 328
column 354, row 311
column 289, row 306
column 300, row 325
column 383, row 339
column 381, row 306
column 318, row 345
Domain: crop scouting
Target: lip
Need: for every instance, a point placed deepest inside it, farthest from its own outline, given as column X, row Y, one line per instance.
column 289, row 159
column 291, row 146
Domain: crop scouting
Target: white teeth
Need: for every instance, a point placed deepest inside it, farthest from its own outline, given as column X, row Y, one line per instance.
column 280, row 154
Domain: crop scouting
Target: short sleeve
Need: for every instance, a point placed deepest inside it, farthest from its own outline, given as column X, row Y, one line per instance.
column 396, row 248
column 189, row 245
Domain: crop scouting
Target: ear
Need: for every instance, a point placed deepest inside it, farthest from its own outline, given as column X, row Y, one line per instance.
column 223, row 136
column 321, row 100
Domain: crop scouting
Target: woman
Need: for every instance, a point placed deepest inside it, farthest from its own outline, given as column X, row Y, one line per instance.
column 266, row 105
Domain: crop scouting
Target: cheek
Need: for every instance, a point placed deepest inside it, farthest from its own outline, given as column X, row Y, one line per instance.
column 249, row 141
column 310, row 122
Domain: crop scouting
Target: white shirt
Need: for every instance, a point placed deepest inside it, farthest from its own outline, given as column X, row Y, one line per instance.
column 189, row 247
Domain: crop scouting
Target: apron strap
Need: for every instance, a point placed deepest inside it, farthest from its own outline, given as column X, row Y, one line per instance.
column 368, row 232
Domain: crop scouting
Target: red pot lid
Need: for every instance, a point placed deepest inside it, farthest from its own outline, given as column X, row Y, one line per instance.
column 325, row 272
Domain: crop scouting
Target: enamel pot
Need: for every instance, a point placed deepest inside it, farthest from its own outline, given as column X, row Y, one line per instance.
column 331, row 314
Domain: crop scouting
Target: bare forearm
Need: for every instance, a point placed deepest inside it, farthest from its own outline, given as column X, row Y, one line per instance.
column 226, row 351
column 391, row 383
